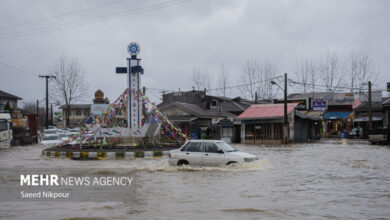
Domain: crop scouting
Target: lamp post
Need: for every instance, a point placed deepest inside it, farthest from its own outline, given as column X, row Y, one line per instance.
column 369, row 106
column 285, row 118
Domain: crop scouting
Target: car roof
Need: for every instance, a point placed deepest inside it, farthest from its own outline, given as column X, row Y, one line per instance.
column 205, row 140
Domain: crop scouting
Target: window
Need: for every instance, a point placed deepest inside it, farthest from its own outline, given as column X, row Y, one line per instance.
column 210, row 148
column 226, row 147
column 185, row 146
column 78, row 113
column 227, row 132
column 195, row 147
column 3, row 125
column 86, row 113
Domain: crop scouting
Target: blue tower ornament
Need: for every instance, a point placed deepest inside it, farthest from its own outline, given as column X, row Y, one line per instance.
column 133, row 48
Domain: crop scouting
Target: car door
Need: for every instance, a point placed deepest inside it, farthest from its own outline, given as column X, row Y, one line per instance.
column 213, row 155
column 194, row 153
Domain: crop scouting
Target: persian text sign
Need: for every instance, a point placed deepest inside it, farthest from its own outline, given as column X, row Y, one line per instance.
column 319, row 105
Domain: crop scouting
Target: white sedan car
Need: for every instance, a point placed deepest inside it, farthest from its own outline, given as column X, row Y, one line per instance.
column 208, row 153
column 51, row 140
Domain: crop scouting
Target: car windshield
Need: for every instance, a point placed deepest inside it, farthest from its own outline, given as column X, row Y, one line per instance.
column 3, row 125
column 225, row 147
column 50, row 132
column 50, row 138
column 63, row 135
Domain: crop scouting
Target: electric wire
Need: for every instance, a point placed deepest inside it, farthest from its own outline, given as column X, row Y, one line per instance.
column 94, row 20
column 60, row 15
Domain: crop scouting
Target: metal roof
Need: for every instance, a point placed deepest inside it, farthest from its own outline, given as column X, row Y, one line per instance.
column 266, row 111
column 7, row 95
column 197, row 110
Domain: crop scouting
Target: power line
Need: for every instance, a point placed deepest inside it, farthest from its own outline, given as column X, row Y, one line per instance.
column 95, row 20
column 60, row 15
column 246, row 84
column 325, row 87
column 228, row 87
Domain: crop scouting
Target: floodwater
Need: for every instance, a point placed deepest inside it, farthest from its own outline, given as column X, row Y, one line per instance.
column 330, row 179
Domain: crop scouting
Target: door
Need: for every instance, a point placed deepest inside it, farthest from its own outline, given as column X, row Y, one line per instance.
column 194, row 153
column 213, row 155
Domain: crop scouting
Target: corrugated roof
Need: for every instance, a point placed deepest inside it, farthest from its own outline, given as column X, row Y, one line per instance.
column 266, row 111
column 386, row 101
column 307, row 116
column 7, row 95
column 77, row 106
column 197, row 110
column 309, row 95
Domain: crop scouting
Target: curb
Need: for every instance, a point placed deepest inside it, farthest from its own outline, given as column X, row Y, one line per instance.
column 105, row 155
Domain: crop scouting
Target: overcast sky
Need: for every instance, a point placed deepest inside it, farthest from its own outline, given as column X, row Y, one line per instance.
column 177, row 36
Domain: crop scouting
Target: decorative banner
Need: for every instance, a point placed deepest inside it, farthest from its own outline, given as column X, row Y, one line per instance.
column 117, row 107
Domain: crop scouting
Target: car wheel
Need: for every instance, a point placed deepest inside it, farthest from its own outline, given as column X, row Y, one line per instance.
column 231, row 162
column 182, row 162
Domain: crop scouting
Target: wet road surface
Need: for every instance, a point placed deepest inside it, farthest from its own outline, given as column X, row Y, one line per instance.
column 329, row 179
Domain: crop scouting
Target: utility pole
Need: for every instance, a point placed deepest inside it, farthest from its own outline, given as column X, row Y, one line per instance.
column 369, row 106
column 47, row 97
column 255, row 97
column 51, row 115
column 285, row 121
column 37, row 113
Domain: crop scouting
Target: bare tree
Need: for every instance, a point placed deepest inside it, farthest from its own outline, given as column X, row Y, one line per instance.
column 306, row 76
column 265, row 89
column 361, row 70
column 331, row 72
column 223, row 80
column 249, row 77
column 69, row 83
column 200, row 79
column 256, row 77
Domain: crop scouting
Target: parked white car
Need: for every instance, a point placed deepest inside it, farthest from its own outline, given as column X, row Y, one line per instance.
column 48, row 132
column 51, row 140
column 208, row 153
column 64, row 137
column 73, row 131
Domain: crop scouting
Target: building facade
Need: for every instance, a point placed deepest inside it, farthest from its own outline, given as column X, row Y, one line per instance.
column 7, row 99
column 204, row 116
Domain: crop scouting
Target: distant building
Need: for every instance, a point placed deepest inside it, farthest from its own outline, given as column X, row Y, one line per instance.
column 204, row 116
column 80, row 113
column 386, row 112
column 11, row 100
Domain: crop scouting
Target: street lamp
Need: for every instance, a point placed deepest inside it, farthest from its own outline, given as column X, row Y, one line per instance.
column 285, row 121
column 369, row 104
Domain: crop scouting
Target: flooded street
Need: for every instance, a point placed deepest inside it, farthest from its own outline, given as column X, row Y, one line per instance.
column 332, row 178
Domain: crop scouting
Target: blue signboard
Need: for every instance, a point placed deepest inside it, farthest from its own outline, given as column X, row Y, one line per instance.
column 319, row 105
column 388, row 86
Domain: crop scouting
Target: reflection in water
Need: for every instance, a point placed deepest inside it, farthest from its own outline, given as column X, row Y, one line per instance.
column 329, row 179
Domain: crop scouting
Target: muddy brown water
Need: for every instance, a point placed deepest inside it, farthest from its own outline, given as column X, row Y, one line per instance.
column 329, row 179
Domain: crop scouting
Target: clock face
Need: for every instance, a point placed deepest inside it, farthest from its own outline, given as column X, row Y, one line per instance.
column 133, row 48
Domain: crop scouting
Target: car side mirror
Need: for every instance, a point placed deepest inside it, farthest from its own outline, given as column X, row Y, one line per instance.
column 220, row 151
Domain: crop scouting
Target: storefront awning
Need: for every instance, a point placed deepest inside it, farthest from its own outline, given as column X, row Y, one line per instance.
column 336, row 115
